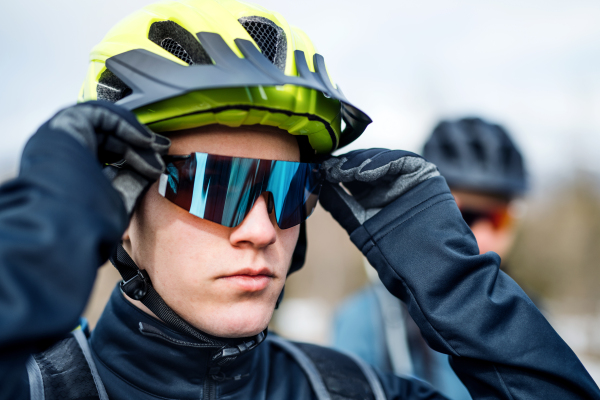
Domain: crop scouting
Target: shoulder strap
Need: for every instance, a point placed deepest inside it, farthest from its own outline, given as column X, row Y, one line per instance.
column 371, row 376
column 332, row 374
column 65, row 371
column 309, row 368
column 36, row 382
column 85, row 348
column 395, row 333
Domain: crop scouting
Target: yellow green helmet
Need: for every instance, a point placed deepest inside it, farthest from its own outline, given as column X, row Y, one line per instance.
column 189, row 63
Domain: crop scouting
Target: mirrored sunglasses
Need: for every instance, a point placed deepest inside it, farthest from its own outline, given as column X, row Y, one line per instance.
column 224, row 189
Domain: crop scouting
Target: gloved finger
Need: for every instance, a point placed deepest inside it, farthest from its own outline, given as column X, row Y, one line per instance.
column 343, row 208
column 386, row 157
column 130, row 185
column 349, row 167
column 136, row 135
column 357, row 158
column 117, row 110
column 330, row 168
column 75, row 122
column 401, row 177
column 110, row 147
column 379, row 166
column 145, row 161
column 386, row 168
column 112, row 120
column 161, row 144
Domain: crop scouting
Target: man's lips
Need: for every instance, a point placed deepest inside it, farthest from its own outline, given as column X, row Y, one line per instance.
column 249, row 279
column 251, row 272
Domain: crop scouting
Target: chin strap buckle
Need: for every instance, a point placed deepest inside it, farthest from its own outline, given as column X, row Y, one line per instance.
column 137, row 287
column 241, row 348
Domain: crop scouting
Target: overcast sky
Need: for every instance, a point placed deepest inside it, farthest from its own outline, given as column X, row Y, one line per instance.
column 532, row 65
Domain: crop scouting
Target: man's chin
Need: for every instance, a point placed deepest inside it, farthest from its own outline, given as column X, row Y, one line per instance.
column 236, row 322
column 232, row 332
column 228, row 321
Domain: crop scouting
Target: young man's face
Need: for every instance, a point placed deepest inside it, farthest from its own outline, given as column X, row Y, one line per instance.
column 490, row 220
column 200, row 268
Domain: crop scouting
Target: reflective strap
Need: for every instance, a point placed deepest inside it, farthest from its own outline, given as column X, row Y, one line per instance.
column 306, row 364
column 370, row 375
column 85, row 348
column 36, row 382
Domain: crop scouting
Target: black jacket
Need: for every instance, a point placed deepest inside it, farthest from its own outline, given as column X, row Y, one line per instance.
column 138, row 357
column 60, row 218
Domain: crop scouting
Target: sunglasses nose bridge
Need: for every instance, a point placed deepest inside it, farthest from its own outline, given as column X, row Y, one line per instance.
column 270, row 202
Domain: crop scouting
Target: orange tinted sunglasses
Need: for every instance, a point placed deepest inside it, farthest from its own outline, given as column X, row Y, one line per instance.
column 498, row 217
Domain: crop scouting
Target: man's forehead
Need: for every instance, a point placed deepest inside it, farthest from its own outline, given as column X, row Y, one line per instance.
column 247, row 141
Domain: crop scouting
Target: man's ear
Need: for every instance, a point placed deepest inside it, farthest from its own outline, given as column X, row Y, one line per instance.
column 125, row 236
column 126, row 239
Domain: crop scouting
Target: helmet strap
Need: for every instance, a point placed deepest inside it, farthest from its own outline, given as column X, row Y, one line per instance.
column 299, row 254
column 137, row 285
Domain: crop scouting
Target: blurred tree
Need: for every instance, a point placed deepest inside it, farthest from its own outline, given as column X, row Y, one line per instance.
column 557, row 251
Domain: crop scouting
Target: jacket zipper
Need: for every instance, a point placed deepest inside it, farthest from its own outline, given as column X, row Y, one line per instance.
column 210, row 390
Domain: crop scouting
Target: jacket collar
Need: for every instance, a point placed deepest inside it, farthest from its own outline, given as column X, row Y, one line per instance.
column 156, row 359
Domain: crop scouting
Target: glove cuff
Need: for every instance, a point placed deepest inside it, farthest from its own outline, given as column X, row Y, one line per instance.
column 423, row 196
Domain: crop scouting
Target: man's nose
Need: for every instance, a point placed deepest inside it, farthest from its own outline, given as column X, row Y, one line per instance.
column 258, row 228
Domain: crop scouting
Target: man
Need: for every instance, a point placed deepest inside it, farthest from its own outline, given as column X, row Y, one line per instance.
column 206, row 252
column 486, row 174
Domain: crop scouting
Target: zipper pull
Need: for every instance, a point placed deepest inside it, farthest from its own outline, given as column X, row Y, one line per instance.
column 216, row 374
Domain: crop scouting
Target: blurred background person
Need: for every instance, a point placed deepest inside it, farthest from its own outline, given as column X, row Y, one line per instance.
column 486, row 174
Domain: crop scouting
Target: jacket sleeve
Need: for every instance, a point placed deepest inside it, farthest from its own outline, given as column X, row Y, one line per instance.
column 59, row 220
column 499, row 344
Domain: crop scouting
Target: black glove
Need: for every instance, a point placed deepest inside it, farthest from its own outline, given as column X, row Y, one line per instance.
column 374, row 177
column 114, row 135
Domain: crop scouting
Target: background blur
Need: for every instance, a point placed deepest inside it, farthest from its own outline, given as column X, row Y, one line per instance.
column 533, row 66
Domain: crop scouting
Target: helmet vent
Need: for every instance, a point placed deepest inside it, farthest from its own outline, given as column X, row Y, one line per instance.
column 111, row 88
column 269, row 38
column 175, row 48
column 449, row 151
column 478, row 156
column 265, row 37
column 478, row 151
column 178, row 41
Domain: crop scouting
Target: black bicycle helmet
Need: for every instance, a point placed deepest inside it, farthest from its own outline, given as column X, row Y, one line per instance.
column 473, row 154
